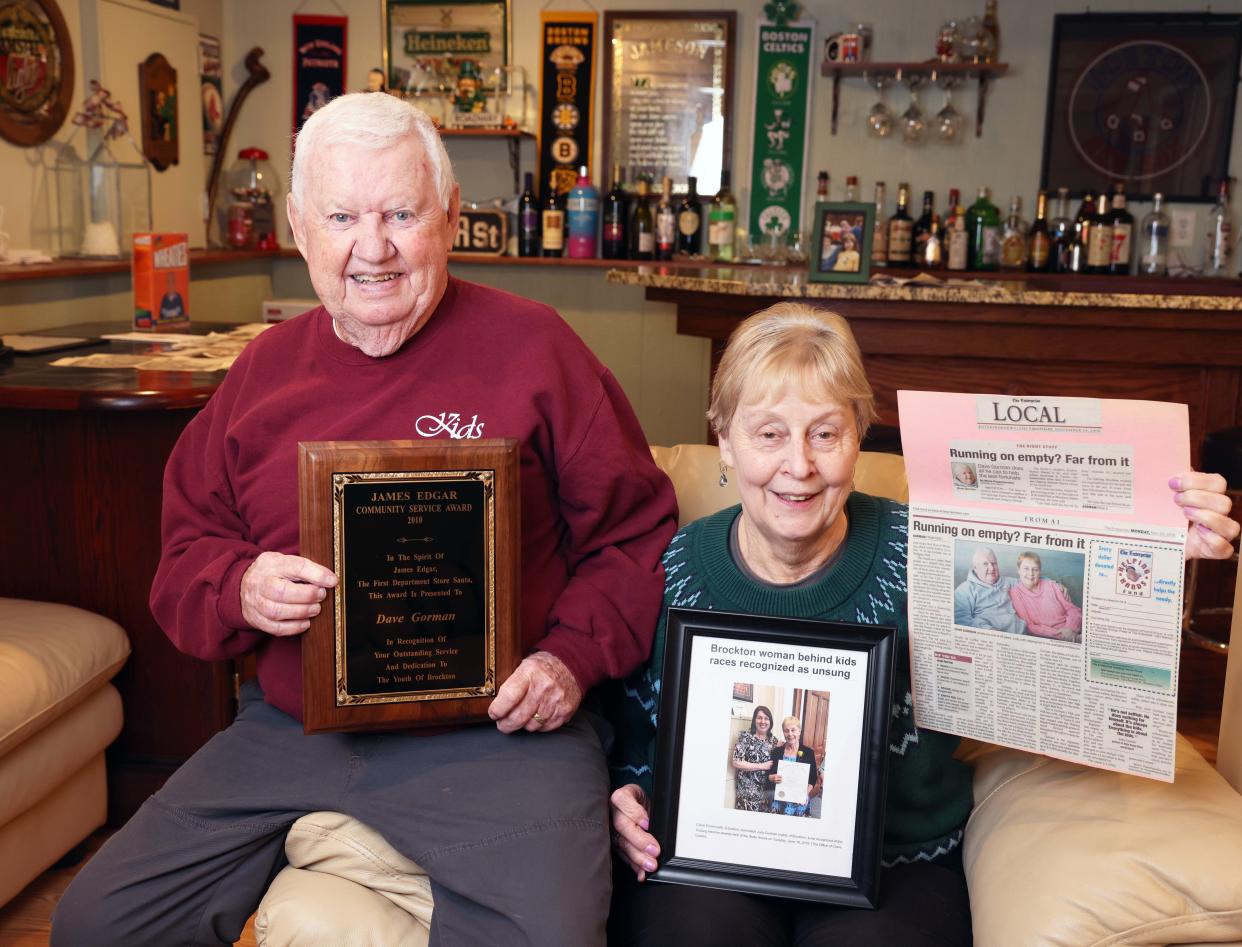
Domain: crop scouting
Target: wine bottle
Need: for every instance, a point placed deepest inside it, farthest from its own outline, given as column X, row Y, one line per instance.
column 1100, row 244
column 1061, row 230
column 690, row 220
column 1122, row 222
column 552, row 225
column 666, row 223
column 528, row 219
column 901, row 230
column 879, row 232
column 616, row 218
column 922, row 226
column 721, row 221
column 983, row 227
column 1039, row 240
column 642, row 243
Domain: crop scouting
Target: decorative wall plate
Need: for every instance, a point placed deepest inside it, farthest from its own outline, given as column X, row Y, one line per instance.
column 36, row 71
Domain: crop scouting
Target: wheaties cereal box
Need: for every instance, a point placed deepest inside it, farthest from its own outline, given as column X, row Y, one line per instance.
column 161, row 268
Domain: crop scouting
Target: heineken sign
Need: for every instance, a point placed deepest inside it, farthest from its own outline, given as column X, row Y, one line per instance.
column 426, row 43
column 782, row 107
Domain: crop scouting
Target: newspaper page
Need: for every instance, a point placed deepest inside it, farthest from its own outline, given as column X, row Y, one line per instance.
column 1046, row 569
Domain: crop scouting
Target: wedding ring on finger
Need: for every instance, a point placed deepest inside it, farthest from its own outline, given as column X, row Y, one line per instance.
column 537, row 717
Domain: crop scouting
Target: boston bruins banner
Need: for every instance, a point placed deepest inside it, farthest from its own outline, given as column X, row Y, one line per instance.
column 566, row 96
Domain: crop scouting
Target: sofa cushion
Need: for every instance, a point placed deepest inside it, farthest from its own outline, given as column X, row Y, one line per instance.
column 51, row 658
column 1058, row 853
column 36, row 766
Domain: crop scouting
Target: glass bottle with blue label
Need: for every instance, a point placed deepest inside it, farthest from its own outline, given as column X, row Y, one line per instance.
column 582, row 217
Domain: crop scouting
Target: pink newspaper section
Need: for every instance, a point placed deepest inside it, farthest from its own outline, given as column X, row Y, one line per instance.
column 1046, row 567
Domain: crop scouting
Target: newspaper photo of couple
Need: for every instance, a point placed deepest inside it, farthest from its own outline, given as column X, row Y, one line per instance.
column 1018, row 591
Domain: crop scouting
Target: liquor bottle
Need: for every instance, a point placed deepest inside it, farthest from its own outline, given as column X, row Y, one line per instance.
column 851, row 189
column 552, row 225
column 983, row 227
column 958, row 240
column 582, row 217
column 616, row 214
column 666, row 223
column 1123, row 232
column 1100, row 244
column 1220, row 235
column 1062, row 232
column 821, row 186
column 879, row 230
column 1154, row 240
column 1013, row 237
column 922, row 226
column 528, row 219
column 901, row 230
column 690, row 220
column 1083, row 222
column 1076, row 250
column 1039, row 240
column 642, row 224
column 721, row 220
column 931, row 251
column 991, row 23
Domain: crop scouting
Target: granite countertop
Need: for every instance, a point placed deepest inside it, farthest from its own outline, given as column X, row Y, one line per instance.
column 793, row 284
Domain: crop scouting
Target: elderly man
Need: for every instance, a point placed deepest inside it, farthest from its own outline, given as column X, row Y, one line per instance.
column 982, row 601
column 507, row 820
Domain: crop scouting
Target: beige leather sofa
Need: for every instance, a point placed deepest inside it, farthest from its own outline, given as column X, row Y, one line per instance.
column 57, row 714
column 1054, row 853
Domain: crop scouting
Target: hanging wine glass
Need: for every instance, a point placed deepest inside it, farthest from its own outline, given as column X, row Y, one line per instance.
column 879, row 119
column 949, row 123
column 913, row 121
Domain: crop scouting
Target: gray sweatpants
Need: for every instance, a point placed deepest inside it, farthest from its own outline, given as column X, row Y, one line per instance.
column 511, row 829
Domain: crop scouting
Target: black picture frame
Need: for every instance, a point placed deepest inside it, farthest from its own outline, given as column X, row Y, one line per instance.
column 826, row 245
column 853, row 663
column 1146, row 99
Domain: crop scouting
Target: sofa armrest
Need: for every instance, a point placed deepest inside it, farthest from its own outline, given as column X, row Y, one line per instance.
column 1057, row 853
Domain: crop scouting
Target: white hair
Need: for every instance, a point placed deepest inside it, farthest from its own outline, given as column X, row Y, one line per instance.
column 371, row 121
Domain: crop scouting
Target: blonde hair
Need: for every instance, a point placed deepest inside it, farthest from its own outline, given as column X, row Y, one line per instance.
column 791, row 345
column 791, row 719
column 1031, row 555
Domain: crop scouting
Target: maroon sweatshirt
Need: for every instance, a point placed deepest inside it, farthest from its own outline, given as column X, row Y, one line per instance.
column 596, row 511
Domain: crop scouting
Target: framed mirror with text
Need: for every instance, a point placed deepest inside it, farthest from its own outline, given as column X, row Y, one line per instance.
column 668, row 95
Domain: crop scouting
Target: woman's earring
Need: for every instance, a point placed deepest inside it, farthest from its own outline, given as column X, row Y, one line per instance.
column 724, row 477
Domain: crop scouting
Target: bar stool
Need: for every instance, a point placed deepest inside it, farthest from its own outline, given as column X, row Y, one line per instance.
column 1221, row 453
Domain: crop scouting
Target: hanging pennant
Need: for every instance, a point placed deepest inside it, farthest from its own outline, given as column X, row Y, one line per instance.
column 566, row 96
column 783, row 76
column 318, row 63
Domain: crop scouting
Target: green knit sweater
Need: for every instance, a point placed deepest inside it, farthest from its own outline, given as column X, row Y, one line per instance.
column 929, row 792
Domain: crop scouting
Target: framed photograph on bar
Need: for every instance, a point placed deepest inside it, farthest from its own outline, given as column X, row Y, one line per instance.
column 840, row 244
column 423, row 536
column 1145, row 99
column 811, row 825
column 425, row 42
column 668, row 95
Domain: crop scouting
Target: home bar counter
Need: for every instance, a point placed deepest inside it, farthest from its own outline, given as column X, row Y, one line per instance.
column 1109, row 337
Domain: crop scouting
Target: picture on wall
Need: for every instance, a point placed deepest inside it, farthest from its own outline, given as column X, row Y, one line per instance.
column 427, row 43
column 1146, row 100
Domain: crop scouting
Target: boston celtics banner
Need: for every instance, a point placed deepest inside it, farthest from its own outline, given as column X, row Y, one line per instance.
column 782, row 105
column 566, row 96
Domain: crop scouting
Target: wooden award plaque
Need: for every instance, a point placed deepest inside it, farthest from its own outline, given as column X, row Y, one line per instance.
column 423, row 536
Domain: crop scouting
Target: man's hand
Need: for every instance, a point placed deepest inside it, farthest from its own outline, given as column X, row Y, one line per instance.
column 630, row 824
column 280, row 594
column 540, row 695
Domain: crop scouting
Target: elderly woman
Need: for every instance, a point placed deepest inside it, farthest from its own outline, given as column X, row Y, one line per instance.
column 790, row 405
column 797, row 752
column 752, row 759
column 1044, row 605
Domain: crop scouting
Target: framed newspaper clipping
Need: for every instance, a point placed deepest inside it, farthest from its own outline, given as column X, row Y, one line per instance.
column 781, row 794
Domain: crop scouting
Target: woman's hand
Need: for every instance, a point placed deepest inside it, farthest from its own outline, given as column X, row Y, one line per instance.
column 1202, row 498
column 630, row 823
column 775, row 778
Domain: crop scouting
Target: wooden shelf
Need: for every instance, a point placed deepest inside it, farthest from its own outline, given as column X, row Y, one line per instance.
column 982, row 73
column 506, row 133
column 69, row 267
